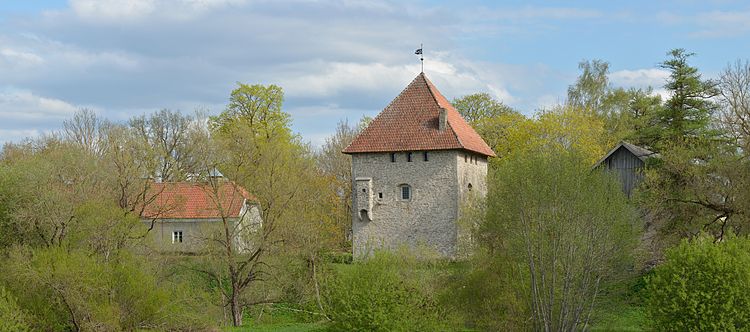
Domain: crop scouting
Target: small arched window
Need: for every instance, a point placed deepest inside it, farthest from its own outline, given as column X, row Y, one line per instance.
column 363, row 215
column 405, row 192
column 469, row 186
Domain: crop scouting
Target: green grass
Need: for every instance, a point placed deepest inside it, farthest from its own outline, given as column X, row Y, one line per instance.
column 620, row 306
column 622, row 318
column 282, row 317
column 280, row 327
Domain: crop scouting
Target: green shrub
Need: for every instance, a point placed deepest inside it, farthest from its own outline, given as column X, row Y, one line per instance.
column 383, row 293
column 12, row 318
column 70, row 290
column 702, row 286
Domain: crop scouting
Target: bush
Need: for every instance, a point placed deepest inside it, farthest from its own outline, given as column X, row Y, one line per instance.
column 70, row 290
column 12, row 318
column 565, row 231
column 702, row 286
column 383, row 293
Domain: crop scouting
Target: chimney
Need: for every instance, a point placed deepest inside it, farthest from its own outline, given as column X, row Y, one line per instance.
column 442, row 119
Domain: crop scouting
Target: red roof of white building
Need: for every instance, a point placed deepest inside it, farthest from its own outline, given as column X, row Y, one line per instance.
column 188, row 200
column 410, row 123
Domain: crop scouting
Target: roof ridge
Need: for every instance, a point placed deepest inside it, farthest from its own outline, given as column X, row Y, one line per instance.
column 430, row 87
column 383, row 110
column 409, row 123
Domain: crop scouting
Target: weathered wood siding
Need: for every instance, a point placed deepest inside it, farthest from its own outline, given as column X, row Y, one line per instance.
column 629, row 168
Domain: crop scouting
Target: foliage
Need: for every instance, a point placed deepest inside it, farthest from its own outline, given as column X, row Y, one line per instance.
column 479, row 106
column 384, row 293
column 699, row 183
column 64, row 289
column 253, row 145
column 560, row 129
column 166, row 141
column 337, row 167
column 591, row 88
column 686, row 114
column 12, row 317
column 570, row 227
column 626, row 113
column 484, row 293
column 702, row 286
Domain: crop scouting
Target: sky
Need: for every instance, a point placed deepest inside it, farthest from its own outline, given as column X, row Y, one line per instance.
column 336, row 60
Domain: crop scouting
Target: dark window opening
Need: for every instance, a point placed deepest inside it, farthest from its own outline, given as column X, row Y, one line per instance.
column 408, row 157
column 425, row 156
column 177, row 237
column 364, row 190
column 363, row 215
column 405, row 192
column 469, row 186
column 380, row 195
column 393, row 157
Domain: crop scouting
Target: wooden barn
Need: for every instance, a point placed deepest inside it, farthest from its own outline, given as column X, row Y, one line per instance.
column 628, row 161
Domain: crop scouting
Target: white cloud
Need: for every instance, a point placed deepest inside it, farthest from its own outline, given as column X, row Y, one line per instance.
column 642, row 78
column 711, row 24
column 653, row 77
column 15, row 135
column 335, row 78
column 331, row 78
column 535, row 12
column 20, row 58
column 107, row 11
column 18, row 104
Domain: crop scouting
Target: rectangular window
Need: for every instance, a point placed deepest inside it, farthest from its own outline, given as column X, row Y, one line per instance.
column 425, row 156
column 177, row 237
column 405, row 192
column 393, row 157
column 408, row 157
column 380, row 195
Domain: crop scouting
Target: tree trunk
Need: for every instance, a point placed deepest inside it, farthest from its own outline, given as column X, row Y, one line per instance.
column 236, row 307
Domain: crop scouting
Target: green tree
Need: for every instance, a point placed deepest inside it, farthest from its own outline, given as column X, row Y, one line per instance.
column 337, row 166
column 387, row 292
column 698, row 183
column 479, row 106
column 12, row 317
column 591, row 89
column 253, row 145
column 569, row 227
column 686, row 114
column 626, row 113
column 702, row 286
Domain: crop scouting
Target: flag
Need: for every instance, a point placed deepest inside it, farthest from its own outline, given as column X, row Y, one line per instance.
column 418, row 51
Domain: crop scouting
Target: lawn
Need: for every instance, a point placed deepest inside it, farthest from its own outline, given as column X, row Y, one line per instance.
column 280, row 327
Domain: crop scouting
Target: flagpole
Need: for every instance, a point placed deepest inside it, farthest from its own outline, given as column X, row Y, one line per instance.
column 421, row 56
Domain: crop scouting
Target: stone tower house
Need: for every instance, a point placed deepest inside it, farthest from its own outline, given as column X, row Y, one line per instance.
column 412, row 167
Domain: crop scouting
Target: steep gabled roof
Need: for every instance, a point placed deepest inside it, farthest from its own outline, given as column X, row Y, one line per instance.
column 640, row 152
column 188, row 200
column 410, row 123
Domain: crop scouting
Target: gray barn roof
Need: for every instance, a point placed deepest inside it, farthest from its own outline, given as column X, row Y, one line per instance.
column 641, row 153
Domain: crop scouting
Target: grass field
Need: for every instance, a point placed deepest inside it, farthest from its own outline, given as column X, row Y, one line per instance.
column 281, row 327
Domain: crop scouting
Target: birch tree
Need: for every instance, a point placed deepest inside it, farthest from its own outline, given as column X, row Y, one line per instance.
column 570, row 227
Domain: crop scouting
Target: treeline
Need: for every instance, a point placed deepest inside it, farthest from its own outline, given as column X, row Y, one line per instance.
column 75, row 251
column 550, row 247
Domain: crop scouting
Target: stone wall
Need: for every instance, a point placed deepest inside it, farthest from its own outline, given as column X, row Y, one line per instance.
column 428, row 217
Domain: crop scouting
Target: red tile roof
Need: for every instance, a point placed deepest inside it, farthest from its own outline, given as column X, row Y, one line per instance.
column 188, row 200
column 410, row 123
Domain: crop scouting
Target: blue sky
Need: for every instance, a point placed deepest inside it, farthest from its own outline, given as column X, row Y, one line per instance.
column 335, row 59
